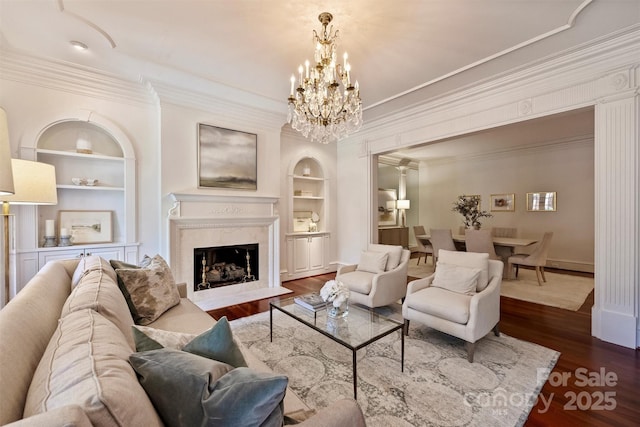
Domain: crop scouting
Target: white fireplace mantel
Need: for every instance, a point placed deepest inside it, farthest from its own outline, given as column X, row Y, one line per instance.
column 202, row 220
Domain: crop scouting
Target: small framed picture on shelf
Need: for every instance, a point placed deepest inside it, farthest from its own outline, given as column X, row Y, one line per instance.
column 86, row 227
column 502, row 202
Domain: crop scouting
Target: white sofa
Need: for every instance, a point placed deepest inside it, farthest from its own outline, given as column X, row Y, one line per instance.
column 109, row 393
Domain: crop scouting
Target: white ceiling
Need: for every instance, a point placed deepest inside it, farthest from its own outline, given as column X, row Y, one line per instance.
column 411, row 47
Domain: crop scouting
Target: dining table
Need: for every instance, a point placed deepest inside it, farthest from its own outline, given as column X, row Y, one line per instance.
column 505, row 246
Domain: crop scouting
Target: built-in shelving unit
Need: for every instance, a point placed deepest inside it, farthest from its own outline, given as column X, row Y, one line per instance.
column 103, row 158
column 307, row 236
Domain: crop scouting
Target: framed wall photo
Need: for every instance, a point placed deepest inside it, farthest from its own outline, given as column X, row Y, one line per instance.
column 387, row 207
column 503, row 202
column 541, row 202
column 86, row 226
column 227, row 158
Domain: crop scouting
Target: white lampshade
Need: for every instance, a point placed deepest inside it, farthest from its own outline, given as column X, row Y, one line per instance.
column 6, row 176
column 403, row 204
column 34, row 182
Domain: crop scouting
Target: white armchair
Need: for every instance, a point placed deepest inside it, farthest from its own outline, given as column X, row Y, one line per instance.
column 462, row 298
column 380, row 278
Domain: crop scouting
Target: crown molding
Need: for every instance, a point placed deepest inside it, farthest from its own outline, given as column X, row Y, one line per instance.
column 67, row 77
column 262, row 113
column 563, row 69
column 540, row 147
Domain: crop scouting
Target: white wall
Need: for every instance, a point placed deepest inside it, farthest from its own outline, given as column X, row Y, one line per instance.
column 566, row 168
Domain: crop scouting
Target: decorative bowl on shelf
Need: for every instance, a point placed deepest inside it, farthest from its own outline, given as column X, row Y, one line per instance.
column 85, row 181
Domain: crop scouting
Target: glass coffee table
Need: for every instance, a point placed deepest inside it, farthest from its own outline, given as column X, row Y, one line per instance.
column 358, row 329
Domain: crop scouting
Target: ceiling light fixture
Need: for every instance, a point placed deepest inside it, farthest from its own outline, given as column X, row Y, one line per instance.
column 320, row 108
column 78, row 45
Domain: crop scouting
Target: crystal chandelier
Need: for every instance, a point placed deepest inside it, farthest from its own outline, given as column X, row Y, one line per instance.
column 320, row 107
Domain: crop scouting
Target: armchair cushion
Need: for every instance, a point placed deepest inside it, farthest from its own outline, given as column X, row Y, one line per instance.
column 441, row 303
column 471, row 260
column 358, row 281
column 395, row 254
column 372, row 262
column 456, row 278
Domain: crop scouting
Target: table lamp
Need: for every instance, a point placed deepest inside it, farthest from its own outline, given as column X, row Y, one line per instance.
column 402, row 205
column 34, row 184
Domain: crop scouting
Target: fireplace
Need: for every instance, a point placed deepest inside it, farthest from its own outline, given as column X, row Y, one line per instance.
column 201, row 221
column 224, row 265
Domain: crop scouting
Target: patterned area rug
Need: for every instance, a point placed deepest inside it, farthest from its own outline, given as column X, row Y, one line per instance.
column 437, row 388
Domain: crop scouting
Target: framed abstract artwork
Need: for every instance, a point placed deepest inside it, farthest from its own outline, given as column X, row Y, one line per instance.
column 86, row 227
column 227, row 158
column 541, row 202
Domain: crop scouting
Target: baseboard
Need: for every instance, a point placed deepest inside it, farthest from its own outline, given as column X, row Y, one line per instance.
column 570, row 265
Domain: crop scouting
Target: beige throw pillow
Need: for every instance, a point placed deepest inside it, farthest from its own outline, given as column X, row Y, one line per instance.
column 456, row 278
column 152, row 290
column 372, row 262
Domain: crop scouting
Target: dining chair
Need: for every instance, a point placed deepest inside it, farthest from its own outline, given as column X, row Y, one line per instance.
column 536, row 259
column 504, row 232
column 481, row 241
column 424, row 247
column 441, row 238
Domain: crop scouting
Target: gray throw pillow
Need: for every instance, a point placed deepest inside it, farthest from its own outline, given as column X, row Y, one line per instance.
column 189, row 390
column 218, row 344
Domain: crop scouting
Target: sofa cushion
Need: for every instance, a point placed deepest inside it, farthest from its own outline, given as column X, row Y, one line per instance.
column 456, row 278
column 395, row 254
column 26, row 326
column 441, row 303
column 97, row 290
column 358, row 281
column 86, row 363
column 471, row 260
column 88, row 264
column 372, row 262
column 191, row 390
column 216, row 343
column 152, row 290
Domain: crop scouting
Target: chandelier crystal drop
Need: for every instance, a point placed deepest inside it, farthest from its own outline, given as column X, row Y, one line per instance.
column 325, row 106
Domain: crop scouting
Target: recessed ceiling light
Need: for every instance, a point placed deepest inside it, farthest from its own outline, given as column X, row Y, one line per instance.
column 78, row 45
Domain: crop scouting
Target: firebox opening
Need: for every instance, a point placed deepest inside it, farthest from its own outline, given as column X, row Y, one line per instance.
column 224, row 265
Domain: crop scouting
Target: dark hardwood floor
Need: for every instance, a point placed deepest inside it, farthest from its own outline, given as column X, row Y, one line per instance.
column 594, row 383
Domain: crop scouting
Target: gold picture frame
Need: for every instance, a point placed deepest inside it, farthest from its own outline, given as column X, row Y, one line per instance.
column 543, row 201
column 505, row 202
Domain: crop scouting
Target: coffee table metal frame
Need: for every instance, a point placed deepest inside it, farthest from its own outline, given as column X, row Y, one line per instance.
column 310, row 318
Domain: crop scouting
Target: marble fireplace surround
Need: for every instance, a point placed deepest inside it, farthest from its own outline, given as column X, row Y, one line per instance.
column 200, row 220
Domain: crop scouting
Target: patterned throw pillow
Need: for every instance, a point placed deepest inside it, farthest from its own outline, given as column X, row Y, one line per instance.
column 151, row 290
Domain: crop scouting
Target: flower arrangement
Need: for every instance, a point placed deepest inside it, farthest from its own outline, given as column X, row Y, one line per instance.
column 469, row 208
column 335, row 292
